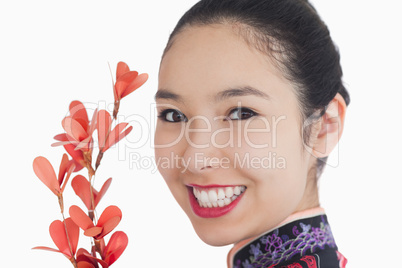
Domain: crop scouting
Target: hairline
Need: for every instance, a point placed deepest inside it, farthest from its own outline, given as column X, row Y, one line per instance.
column 255, row 39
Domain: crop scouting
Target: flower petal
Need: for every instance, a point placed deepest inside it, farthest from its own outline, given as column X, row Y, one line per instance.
column 124, row 81
column 109, row 226
column 84, row 264
column 45, row 172
column 59, row 237
column 48, row 249
column 121, row 69
column 71, row 167
column 73, row 234
column 61, row 137
column 83, row 256
column 89, row 256
column 79, row 113
column 116, row 246
column 103, row 125
column 93, row 231
column 64, row 139
column 138, row 82
column 77, row 155
column 77, row 165
column 81, row 188
column 102, row 191
column 108, row 213
column 63, row 168
column 84, row 145
column 80, row 218
column 74, row 129
column 116, row 135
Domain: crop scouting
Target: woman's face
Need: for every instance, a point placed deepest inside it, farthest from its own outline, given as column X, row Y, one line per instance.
column 228, row 138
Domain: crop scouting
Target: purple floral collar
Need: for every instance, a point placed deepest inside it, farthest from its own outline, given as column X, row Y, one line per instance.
column 289, row 242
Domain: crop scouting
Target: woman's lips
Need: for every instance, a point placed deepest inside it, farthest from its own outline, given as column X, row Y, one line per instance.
column 213, row 201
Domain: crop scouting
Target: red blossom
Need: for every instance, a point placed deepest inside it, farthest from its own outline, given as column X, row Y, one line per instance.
column 77, row 155
column 113, row 250
column 45, row 172
column 57, row 231
column 78, row 128
column 108, row 220
column 106, row 136
column 82, row 188
column 126, row 82
column 77, row 139
column 86, row 260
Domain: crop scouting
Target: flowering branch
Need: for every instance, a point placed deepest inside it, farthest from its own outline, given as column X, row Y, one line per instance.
column 78, row 142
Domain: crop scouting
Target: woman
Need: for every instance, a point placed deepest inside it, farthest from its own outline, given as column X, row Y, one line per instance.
column 250, row 104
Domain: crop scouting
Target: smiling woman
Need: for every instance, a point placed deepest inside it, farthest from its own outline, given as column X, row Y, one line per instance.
column 250, row 82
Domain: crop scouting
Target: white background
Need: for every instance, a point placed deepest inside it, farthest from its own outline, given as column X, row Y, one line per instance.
column 52, row 52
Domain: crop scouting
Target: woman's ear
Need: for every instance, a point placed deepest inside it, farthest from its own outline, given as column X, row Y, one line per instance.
column 330, row 127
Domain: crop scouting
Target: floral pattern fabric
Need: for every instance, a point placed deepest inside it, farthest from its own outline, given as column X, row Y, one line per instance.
column 302, row 243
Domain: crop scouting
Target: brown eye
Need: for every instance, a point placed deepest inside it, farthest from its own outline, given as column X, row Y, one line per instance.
column 241, row 113
column 173, row 116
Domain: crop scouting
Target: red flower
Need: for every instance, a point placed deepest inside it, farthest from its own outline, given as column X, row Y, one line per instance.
column 109, row 219
column 78, row 137
column 106, row 136
column 86, row 260
column 117, row 244
column 113, row 250
column 77, row 155
column 126, row 82
column 45, row 172
column 78, row 128
column 57, row 231
column 82, row 188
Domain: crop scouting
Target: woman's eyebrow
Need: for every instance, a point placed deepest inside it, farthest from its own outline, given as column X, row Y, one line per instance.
column 166, row 94
column 221, row 96
column 240, row 91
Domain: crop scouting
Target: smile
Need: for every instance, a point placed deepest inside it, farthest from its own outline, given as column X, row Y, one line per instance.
column 214, row 201
column 217, row 197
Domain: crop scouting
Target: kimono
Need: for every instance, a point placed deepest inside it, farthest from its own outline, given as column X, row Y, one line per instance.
column 303, row 240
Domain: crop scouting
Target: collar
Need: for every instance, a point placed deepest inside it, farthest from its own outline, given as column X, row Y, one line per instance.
column 302, row 233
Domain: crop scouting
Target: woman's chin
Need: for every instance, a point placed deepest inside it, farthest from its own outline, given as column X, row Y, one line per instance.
column 217, row 236
column 216, row 240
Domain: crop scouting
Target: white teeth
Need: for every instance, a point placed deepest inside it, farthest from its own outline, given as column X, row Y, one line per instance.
column 195, row 192
column 221, row 203
column 213, row 197
column 204, row 197
column 217, row 197
column 236, row 190
column 229, row 192
column 221, row 194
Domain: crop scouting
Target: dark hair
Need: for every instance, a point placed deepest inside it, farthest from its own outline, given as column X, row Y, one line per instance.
column 292, row 32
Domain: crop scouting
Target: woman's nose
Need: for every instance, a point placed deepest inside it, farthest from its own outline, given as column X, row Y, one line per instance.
column 201, row 153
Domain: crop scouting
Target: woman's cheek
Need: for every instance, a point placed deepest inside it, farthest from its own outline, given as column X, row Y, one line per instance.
column 257, row 145
column 168, row 135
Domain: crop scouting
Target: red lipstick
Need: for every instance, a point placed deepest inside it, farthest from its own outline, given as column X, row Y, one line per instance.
column 213, row 212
